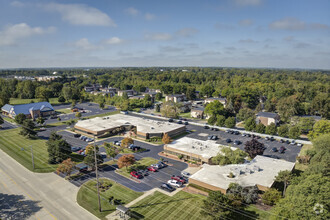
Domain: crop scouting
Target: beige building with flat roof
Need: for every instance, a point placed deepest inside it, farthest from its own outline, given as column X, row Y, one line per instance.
column 194, row 149
column 261, row 171
column 145, row 128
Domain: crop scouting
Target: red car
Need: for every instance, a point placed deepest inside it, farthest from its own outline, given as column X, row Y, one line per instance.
column 179, row 179
column 136, row 175
column 153, row 169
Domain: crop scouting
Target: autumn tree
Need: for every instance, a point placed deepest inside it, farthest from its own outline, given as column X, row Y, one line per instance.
column 166, row 139
column 254, row 148
column 126, row 142
column 66, row 167
column 126, row 160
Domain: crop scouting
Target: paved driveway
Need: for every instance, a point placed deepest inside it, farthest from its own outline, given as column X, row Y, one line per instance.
column 7, row 125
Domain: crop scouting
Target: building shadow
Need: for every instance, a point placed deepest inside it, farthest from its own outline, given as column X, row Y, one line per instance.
column 17, row 207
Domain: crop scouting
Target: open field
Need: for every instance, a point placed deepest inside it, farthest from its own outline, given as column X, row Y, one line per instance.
column 17, row 101
column 160, row 206
column 141, row 164
column 18, row 148
column 87, row 197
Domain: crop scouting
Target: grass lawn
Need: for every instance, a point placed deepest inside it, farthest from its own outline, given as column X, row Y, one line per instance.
column 17, row 101
column 141, row 164
column 254, row 211
column 300, row 166
column 9, row 119
column 64, row 111
column 12, row 143
column 87, row 197
column 186, row 115
column 180, row 206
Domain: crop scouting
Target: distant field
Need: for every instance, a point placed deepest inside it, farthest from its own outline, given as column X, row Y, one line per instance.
column 12, row 143
column 87, row 197
column 17, row 101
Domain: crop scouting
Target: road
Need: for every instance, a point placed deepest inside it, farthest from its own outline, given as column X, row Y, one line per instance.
column 28, row 195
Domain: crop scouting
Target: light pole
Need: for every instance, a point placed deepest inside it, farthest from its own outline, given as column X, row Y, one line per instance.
column 97, row 178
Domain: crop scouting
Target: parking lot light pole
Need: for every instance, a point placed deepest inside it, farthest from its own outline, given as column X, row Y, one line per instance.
column 32, row 158
column 97, row 178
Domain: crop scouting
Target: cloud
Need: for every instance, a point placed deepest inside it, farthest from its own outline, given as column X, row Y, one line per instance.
column 248, row 2
column 288, row 24
column 319, row 26
column 132, row 11
column 17, row 4
column 301, row 45
column 187, row 32
column 79, row 14
column 84, row 44
column 149, row 16
column 222, row 26
column 247, row 41
column 289, row 38
column 246, row 22
column 170, row 49
column 159, row 36
column 11, row 35
column 113, row 40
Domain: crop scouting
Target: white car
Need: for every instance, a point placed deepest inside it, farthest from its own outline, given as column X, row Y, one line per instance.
column 174, row 183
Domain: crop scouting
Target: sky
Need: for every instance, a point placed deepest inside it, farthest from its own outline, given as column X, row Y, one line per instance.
column 143, row 33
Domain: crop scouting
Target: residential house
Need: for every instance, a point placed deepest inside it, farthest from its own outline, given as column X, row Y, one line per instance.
column 197, row 113
column 32, row 110
column 266, row 118
column 128, row 92
column 175, row 98
column 211, row 99
column 91, row 88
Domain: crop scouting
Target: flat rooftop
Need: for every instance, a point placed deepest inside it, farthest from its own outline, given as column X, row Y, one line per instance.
column 261, row 170
column 142, row 124
column 206, row 149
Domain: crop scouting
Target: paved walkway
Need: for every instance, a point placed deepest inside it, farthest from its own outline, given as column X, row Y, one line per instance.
column 29, row 195
column 115, row 214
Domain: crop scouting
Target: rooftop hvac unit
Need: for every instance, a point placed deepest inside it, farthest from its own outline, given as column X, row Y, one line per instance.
column 193, row 147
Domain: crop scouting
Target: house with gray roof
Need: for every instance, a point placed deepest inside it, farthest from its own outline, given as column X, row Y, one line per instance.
column 266, row 118
column 31, row 110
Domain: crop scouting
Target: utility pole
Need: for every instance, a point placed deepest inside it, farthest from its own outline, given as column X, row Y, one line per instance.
column 97, row 178
column 32, row 156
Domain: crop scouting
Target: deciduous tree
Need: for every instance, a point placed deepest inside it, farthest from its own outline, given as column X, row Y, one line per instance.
column 250, row 124
column 260, row 128
column 283, row 130
column 166, row 139
column 126, row 160
column 321, row 127
column 271, row 196
column 66, row 167
column 271, row 129
column 27, row 128
column 126, row 142
column 217, row 206
column 254, row 148
column 20, row 118
column 284, row 176
column 230, row 122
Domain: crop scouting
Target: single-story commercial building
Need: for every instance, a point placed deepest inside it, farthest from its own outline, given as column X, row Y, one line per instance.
column 194, row 149
column 266, row 118
column 261, row 171
column 145, row 128
column 32, row 110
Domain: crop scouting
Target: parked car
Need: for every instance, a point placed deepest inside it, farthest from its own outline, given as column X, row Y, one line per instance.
column 136, row 175
column 206, row 127
column 167, row 187
column 80, row 151
column 274, row 149
column 272, row 139
column 282, row 141
column 237, row 142
column 299, row 144
column 134, row 147
column 282, row 149
column 170, row 120
column 248, row 135
column 186, row 123
column 228, row 140
column 103, row 155
column 74, row 149
column 293, row 142
column 179, row 178
column 90, row 104
column 227, row 131
column 157, row 165
column 174, row 183
column 287, row 142
column 143, row 172
column 243, row 134
column 76, row 135
column 162, row 163
column 118, row 143
column 185, row 174
column 214, row 137
column 267, row 138
column 153, row 169
column 42, row 129
column 236, row 133
column 179, row 122
column 210, row 137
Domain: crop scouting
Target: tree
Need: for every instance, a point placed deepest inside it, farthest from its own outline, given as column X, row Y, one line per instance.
column 125, row 96
column 284, row 176
column 306, row 124
column 283, row 130
column 250, row 124
column 241, row 194
column 230, row 122
column 217, row 206
column 158, row 96
column 90, row 157
column 254, row 148
column 260, row 128
column 20, row 118
column 288, row 107
column 1, row 120
column 320, row 161
column 221, row 120
column 61, row 99
column 166, row 139
column 67, row 93
column 126, row 160
column 271, row 129
column 43, row 93
column 58, row 149
column 212, row 120
column 157, row 108
column 294, row 132
column 229, row 156
column 78, row 114
column 40, row 120
column 319, row 128
column 4, row 98
column 27, row 128
column 66, row 167
column 207, row 90
column 191, row 93
column 101, row 105
column 111, row 151
column 271, row 196
column 244, row 114
column 214, row 108
column 321, row 105
column 126, row 142
column 171, row 109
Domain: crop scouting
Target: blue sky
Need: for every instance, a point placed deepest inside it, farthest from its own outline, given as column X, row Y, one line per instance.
column 112, row 33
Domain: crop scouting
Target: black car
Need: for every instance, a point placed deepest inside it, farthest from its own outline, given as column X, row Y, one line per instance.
column 267, row 138
column 206, row 127
column 210, row 137
column 274, row 149
column 228, row 140
column 143, row 172
column 282, row 149
column 186, row 123
column 282, row 141
column 170, row 120
column 76, row 135
column 236, row 133
column 167, row 187
column 216, row 129
column 179, row 122
column 272, row 138
column 237, row 142
column 214, row 137
column 287, row 142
